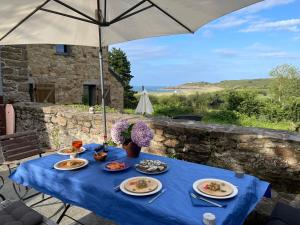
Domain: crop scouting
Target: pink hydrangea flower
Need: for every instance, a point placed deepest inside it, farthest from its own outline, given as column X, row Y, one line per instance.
column 117, row 129
column 141, row 134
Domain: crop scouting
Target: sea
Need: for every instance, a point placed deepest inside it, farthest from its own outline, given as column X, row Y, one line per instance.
column 152, row 89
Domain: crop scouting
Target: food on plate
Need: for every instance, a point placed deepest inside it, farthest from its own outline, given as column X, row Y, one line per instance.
column 116, row 166
column 215, row 188
column 71, row 150
column 100, row 156
column 151, row 166
column 74, row 163
column 141, row 185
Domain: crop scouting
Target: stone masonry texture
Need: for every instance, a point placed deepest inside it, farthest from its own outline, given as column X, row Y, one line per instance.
column 39, row 64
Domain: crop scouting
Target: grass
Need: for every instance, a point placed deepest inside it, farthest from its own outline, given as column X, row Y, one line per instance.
column 219, row 117
column 262, row 123
column 85, row 108
column 231, row 118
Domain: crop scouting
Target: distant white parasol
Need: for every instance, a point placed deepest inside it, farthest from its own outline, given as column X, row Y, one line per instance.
column 144, row 106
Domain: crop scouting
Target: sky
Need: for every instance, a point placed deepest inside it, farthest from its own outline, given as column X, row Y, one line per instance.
column 245, row 44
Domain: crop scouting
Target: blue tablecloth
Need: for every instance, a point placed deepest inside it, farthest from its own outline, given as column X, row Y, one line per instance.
column 92, row 188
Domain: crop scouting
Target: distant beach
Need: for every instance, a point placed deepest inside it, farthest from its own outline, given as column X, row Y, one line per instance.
column 152, row 89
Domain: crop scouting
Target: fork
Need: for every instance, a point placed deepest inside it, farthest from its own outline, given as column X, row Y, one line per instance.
column 206, row 200
column 117, row 188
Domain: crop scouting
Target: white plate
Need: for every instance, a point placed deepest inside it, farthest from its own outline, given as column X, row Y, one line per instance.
column 62, row 153
column 233, row 194
column 58, row 168
column 123, row 189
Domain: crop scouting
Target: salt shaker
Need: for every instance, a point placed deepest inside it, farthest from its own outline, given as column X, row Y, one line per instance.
column 239, row 174
column 209, row 219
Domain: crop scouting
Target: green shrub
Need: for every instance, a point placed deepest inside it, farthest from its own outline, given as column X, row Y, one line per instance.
column 221, row 116
column 169, row 110
column 245, row 101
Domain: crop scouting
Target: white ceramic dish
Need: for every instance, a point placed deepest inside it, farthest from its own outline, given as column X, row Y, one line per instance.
column 63, row 153
column 74, row 168
column 233, row 194
column 122, row 188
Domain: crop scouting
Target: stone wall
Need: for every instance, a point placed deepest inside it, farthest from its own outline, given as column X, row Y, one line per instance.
column 14, row 73
column 40, row 64
column 271, row 155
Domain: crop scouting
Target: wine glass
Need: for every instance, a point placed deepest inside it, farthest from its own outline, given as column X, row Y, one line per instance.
column 76, row 145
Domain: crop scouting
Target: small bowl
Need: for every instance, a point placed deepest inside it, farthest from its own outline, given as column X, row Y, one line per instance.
column 100, row 156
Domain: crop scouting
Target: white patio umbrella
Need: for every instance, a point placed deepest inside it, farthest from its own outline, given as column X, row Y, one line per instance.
column 144, row 106
column 102, row 22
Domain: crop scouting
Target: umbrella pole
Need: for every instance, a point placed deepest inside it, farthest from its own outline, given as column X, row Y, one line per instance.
column 102, row 77
column 102, row 94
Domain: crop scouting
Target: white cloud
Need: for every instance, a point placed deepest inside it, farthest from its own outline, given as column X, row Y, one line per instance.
column 228, row 22
column 254, row 51
column 292, row 25
column 226, row 52
column 275, row 54
column 207, row 34
column 142, row 50
column 296, row 38
column 267, row 4
column 248, row 16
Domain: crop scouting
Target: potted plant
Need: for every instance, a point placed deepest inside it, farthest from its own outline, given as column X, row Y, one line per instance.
column 133, row 136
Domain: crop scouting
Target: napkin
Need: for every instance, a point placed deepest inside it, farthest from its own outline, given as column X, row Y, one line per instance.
column 201, row 203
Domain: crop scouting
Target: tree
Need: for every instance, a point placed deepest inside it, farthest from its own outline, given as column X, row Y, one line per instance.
column 286, row 82
column 120, row 64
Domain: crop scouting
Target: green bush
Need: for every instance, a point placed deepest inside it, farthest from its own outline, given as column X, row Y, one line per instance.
column 221, row 116
column 169, row 110
column 239, row 107
column 246, row 102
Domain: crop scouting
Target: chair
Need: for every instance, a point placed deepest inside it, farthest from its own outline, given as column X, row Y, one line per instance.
column 17, row 213
column 18, row 146
column 1, row 186
column 284, row 214
column 14, row 148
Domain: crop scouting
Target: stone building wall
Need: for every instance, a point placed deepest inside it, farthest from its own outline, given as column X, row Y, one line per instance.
column 14, row 73
column 271, row 155
column 40, row 64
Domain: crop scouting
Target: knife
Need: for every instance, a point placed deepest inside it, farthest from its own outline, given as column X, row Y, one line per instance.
column 157, row 196
column 206, row 200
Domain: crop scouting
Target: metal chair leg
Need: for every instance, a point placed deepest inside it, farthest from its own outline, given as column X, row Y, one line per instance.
column 67, row 206
column 1, row 186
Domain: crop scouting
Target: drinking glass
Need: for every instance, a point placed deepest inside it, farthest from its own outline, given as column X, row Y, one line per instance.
column 76, row 145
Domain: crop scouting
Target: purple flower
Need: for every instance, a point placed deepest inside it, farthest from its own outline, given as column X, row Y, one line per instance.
column 117, row 129
column 141, row 134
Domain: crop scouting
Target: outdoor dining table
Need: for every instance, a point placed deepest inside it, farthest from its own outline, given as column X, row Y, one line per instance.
column 92, row 188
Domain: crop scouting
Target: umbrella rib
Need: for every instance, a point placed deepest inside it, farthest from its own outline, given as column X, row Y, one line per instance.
column 127, row 11
column 172, row 17
column 105, row 5
column 77, row 11
column 131, row 14
column 23, row 20
column 67, row 15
